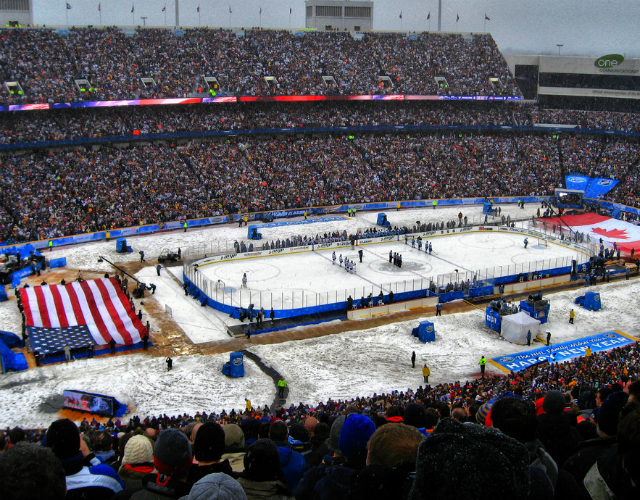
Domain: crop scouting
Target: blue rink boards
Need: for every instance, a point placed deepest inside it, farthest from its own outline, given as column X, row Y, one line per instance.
column 561, row 352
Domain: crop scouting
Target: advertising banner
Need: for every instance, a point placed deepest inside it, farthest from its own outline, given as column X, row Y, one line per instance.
column 556, row 353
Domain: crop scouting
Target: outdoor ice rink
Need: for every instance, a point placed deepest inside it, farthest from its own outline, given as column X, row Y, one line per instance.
column 308, row 279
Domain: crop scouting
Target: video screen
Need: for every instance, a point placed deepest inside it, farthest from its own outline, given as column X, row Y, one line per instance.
column 573, row 200
column 92, row 403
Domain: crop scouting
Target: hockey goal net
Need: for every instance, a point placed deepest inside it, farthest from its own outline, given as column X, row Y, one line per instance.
column 542, row 243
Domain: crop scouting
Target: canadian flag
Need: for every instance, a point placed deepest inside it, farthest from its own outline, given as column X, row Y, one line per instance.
column 624, row 234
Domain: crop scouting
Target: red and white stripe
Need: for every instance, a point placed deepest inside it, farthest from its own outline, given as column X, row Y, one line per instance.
column 99, row 304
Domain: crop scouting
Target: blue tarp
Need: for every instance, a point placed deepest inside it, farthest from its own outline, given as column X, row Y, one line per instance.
column 61, row 262
column 11, row 340
column 12, row 360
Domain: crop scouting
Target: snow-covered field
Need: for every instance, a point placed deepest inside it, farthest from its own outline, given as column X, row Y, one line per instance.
column 336, row 366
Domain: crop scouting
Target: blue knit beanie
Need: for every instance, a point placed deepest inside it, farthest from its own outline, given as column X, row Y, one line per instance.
column 355, row 434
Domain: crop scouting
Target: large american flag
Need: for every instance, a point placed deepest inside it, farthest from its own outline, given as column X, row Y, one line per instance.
column 99, row 304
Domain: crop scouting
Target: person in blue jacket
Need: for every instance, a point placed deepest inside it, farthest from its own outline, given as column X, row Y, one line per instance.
column 293, row 463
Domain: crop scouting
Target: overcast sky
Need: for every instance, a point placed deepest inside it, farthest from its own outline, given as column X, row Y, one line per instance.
column 584, row 27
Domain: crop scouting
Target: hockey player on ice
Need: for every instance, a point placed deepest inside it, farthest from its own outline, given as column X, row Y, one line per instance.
column 333, row 258
column 340, row 259
column 244, row 280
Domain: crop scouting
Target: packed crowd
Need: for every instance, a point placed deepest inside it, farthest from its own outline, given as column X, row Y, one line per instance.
column 597, row 120
column 56, row 125
column 569, row 430
column 256, row 62
column 159, row 183
column 65, row 124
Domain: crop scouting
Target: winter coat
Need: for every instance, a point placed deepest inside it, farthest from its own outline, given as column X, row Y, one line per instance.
column 259, row 490
column 197, row 472
column 132, row 474
column 293, row 465
column 607, row 480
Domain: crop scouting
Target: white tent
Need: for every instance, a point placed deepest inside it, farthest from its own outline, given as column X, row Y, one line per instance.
column 516, row 326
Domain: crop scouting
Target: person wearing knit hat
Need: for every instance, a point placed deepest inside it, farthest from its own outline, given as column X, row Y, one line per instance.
column 208, row 448
column 137, row 461
column 234, row 447
column 99, row 480
column 171, row 458
column 354, row 436
column 216, row 486
column 262, row 476
column 470, row 462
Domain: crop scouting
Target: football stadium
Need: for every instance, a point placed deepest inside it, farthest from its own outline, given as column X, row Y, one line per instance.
column 318, row 250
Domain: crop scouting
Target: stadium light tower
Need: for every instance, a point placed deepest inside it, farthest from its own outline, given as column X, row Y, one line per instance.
column 559, row 45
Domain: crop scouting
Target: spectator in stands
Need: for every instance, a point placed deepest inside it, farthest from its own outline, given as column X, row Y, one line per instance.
column 101, row 443
column 554, row 429
column 208, row 448
column 320, row 444
column 98, row 481
column 616, row 474
column 516, row 418
column 172, row 459
column 468, row 461
column 234, row 448
column 137, row 461
column 16, row 435
column 217, row 486
column 354, row 436
column 308, row 483
column 31, row 472
column 292, row 463
column 634, row 391
column 391, row 458
column 262, row 476
column 415, row 415
column 588, row 452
